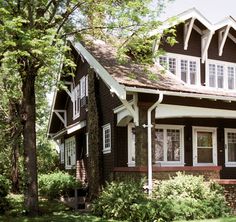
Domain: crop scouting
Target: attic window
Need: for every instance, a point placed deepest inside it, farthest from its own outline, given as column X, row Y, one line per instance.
column 220, row 75
column 186, row 68
column 76, row 102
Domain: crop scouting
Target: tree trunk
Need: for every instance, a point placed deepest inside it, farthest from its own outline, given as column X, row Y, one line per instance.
column 29, row 143
column 94, row 163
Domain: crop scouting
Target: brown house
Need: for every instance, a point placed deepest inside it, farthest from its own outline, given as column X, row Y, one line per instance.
column 181, row 118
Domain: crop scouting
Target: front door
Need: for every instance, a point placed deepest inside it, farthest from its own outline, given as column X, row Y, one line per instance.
column 204, row 146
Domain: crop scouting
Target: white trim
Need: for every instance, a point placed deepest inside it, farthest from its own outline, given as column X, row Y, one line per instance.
column 63, row 117
column 131, row 145
column 222, row 38
column 166, row 111
column 178, row 58
column 227, row 162
column 165, row 128
column 205, row 43
column 182, row 94
column 76, row 102
column 76, row 126
column 104, row 128
column 87, row 144
column 213, row 130
column 225, row 74
column 62, row 153
column 188, row 27
column 70, row 152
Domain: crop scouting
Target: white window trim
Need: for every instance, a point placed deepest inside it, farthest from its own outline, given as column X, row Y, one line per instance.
column 76, row 113
column 180, row 57
column 131, row 163
column 62, row 153
column 82, row 90
column 195, row 129
column 71, row 166
column 104, row 128
column 87, row 144
column 225, row 75
column 172, row 163
column 227, row 163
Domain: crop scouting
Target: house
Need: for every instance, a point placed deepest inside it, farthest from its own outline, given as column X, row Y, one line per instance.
column 184, row 119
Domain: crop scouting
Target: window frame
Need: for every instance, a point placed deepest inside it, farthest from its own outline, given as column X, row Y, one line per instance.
column 225, row 65
column 73, row 161
column 178, row 58
column 131, row 145
column 87, row 143
column 76, row 102
column 227, row 162
column 105, row 127
column 62, row 153
column 165, row 162
column 213, row 130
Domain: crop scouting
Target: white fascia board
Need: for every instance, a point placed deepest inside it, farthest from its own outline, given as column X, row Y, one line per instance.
column 181, row 94
column 75, row 127
column 226, row 22
column 166, row 111
column 115, row 87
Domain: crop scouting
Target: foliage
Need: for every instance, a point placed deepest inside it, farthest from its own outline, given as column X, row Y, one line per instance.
column 124, row 201
column 184, row 197
column 4, row 190
column 189, row 197
column 56, row 184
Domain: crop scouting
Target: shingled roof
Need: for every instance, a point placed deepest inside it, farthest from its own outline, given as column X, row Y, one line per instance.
column 135, row 75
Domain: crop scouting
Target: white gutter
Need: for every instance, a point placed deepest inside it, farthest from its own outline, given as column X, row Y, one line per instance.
column 182, row 94
column 149, row 131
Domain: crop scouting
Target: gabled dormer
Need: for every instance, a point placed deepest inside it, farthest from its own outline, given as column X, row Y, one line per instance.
column 204, row 54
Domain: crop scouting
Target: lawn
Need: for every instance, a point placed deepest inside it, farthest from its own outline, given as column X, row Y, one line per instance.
column 55, row 211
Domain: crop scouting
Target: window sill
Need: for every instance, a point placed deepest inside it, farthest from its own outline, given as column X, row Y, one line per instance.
column 106, row 151
column 230, row 165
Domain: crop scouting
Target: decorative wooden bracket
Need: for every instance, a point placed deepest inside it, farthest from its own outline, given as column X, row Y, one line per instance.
column 232, row 37
column 61, row 115
column 188, row 27
column 69, row 91
column 206, row 40
column 223, row 33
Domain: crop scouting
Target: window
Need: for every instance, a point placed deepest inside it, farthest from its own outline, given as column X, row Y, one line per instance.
column 106, row 129
column 230, row 147
column 220, row 75
column 204, row 146
column 82, row 87
column 187, row 68
column 76, row 102
column 70, row 153
column 169, row 145
column 62, row 153
column 131, row 145
column 87, row 144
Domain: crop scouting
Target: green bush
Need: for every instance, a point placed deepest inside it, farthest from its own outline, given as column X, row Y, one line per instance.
column 56, row 184
column 183, row 197
column 189, row 197
column 4, row 190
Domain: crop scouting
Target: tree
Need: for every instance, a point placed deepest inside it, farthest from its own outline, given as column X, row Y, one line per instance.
column 32, row 34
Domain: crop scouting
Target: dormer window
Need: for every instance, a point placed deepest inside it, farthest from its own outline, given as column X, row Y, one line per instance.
column 220, row 75
column 187, row 68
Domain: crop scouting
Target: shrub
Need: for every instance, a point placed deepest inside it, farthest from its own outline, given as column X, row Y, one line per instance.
column 189, row 197
column 4, row 190
column 56, row 184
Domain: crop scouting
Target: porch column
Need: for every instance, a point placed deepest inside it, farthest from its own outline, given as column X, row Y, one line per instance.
column 141, row 146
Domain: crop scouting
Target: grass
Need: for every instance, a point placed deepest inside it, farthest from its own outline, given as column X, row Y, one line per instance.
column 49, row 211
column 55, row 211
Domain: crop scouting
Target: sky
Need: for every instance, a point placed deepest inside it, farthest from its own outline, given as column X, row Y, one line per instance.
column 213, row 10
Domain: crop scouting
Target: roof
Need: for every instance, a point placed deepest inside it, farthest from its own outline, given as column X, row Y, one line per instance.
column 135, row 75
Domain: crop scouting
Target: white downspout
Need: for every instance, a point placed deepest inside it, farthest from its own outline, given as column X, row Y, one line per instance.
column 149, row 131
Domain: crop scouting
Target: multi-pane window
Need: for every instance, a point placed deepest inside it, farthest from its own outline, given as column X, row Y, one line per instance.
column 70, row 153
column 82, row 87
column 187, row 68
column 62, row 153
column 230, row 147
column 231, row 77
column 76, row 102
column 221, row 75
column 106, row 138
column 168, row 149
